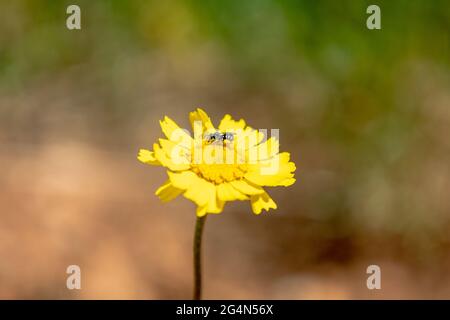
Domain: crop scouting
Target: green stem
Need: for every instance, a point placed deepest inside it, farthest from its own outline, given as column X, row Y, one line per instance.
column 197, row 257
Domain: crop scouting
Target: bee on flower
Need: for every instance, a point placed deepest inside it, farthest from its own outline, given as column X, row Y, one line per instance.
column 216, row 165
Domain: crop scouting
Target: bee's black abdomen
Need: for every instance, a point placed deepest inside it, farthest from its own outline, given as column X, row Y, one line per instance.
column 228, row 136
column 217, row 136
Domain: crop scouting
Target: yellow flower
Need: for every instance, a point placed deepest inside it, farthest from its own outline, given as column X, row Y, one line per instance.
column 214, row 166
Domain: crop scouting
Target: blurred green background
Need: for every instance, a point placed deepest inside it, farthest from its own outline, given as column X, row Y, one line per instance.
column 364, row 113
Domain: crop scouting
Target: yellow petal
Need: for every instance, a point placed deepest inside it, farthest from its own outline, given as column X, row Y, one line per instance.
column 262, row 202
column 226, row 192
column 201, row 192
column 200, row 115
column 216, row 205
column 267, row 149
column 207, row 192
column 196, row 189
column 228, row 124
column 247, row 139
column 201, row 211
column 277, row 171
column 162, row 157
column 176, row 152
column 168, row 192
column 247, row 187
column 183, row 180
column 148, row 157
column 173, row 132
column 209, row 208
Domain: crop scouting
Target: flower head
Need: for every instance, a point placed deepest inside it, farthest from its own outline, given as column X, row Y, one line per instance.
column 232, row 162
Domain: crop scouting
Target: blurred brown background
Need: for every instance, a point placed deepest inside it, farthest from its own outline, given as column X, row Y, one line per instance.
column 365, row 115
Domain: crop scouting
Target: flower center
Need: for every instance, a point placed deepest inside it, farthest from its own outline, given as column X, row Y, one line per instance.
column 219, row 173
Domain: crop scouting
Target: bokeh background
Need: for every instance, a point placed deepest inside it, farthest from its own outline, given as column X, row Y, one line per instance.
column 365, row 115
